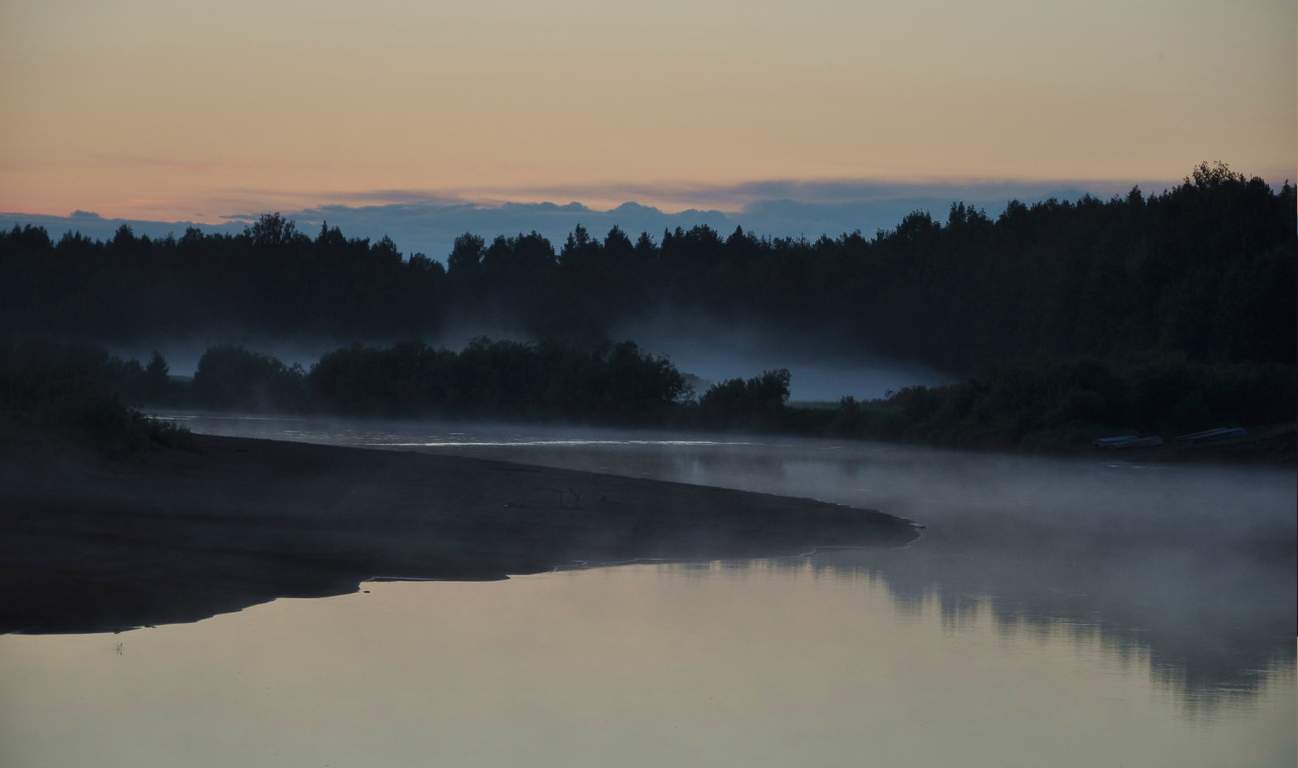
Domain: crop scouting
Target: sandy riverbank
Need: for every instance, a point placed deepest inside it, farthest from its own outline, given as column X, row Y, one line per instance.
column 91, row 543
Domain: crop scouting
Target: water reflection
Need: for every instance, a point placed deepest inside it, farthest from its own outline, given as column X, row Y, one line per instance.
column 1217, row 653
column 784, row 662
column 1191, row 567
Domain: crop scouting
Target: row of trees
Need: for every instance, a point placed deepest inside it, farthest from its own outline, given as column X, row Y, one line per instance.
column 1204, row 272
column 497, row 379
column 58, row 384
column 1062, row 404
column 612, row 384
column 270, row 280
column 1069, row 404
column 1058, row 405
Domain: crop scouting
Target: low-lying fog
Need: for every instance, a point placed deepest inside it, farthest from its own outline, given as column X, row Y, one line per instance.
column 1055, row 612
column 705, row 349
column 822, row 370
column 812, row 380
column 1194, row 564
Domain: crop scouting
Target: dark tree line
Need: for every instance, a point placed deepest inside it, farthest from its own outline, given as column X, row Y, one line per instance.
column 1069, row 404
column 493, row 379
column 1204, row 273
column 1060, row 405
column 270, row 280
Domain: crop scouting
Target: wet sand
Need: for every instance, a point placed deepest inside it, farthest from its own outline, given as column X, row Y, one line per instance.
column 91, row 543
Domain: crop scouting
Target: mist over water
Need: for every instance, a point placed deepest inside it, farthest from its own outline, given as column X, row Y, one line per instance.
column 1055, row 612
column 1193, row 565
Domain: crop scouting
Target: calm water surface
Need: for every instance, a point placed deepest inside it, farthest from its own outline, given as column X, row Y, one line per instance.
column 1055, row 613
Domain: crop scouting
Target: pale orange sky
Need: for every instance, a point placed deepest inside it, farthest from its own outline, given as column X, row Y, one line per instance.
column 165, row 109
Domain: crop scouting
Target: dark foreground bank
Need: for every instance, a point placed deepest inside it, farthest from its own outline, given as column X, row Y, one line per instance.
column 93, row 543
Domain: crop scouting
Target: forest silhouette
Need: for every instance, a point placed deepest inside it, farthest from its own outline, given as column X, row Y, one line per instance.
column 1205, row 271
column 1163, row 312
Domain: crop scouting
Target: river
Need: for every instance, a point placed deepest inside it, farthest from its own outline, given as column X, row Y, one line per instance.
column 1055, row 612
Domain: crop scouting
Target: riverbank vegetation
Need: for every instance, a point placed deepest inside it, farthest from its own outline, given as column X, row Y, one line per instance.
column 1059, row 407
column 81, row 389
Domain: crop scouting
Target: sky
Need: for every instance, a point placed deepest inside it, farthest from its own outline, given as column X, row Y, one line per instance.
column 187, row 111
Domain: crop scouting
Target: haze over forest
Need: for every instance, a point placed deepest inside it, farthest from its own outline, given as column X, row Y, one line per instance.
column 1184, row 296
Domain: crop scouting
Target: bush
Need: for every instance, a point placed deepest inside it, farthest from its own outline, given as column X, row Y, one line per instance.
column 752, row 403
column 75, row 387
column 230, row 376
